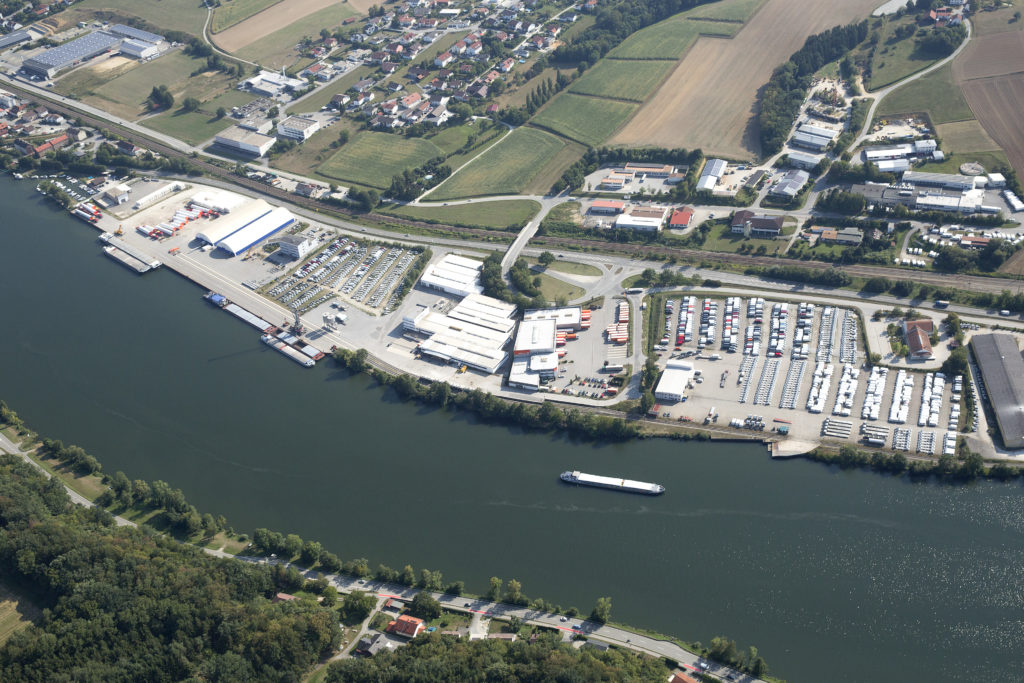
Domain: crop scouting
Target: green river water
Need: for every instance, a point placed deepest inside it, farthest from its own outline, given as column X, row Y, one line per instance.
column 835, row 576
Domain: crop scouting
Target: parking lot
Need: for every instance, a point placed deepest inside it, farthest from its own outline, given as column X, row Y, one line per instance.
column 800, row 369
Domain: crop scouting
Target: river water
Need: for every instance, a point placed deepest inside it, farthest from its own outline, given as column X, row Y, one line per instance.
column 838, row 576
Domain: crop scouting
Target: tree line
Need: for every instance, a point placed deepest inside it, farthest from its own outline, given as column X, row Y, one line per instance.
column 787, row 88
column 828, row 277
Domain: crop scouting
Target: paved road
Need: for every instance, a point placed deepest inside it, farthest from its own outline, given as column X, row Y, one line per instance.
column 879, row 95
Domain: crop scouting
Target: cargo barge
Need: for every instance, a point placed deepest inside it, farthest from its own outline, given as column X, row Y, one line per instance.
column 126, row 260
column 615, row 483
column 254, row 320
column 300, row 358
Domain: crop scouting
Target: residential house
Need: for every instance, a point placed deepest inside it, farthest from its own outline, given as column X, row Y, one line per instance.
column 474, row 49
column 363, row 85
column 308, row 190
column 918, row 335
column 284, row 597
column 506, row 65
column 406, row 626
column 339, row 101
column 443, row 59
column 680, row 218
column 417, row 73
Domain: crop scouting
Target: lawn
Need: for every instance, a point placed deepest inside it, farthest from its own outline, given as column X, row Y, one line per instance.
column 497, row 215
column 506, row 168
column 373, row 159
column 951, row 164
column 175, row 15
column 670, row 39
column 965, row 136
column 622, row 80
column 894, row 61
column 16, row 612
column 126, row 93
column 277, row 49
column 231, row 12
column 720, row 239
column 935, row 94
column 569, row 267
column 587, row 120
column 191, row 127
column 554, row 289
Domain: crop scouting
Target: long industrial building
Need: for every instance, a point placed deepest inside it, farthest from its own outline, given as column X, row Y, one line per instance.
column 1002, row 369
column 69, row 54
column 673, row 382
column 239, row 139
column 256, row 231
column 240, row 216
column 471, row 334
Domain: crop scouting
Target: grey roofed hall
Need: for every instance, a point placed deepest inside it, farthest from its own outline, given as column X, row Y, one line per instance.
column 1002, row 369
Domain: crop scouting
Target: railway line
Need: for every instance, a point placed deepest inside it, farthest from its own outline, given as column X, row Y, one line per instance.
column 967, row 282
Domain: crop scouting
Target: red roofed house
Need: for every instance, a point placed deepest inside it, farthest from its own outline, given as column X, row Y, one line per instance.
column 406, row 626
column 683, row 678
column 607, row 206
column 917, row 333
column 443, row 59
column 681, row 218
column 284, row 597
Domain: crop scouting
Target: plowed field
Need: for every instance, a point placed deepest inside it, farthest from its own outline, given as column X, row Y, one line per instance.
column 268, row 21
column 996, row 104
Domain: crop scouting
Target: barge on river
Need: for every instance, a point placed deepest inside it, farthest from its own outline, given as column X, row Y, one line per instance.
column 627, row 485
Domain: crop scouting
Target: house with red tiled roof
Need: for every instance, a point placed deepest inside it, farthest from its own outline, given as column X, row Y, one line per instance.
column 284, row 597
column 443, row 59
column 918, row 333
column 406, row 626
column 680, row 218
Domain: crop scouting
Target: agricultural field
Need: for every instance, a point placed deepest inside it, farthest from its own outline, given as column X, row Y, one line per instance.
column 230, row 13
column 710, row 100
column 373, row 159
column 16, row 612
column 622, row 80
column 270, row 37
column 670, row 39
column 496, row 215
column 727, row 10
column 125, row 93
column 935, row 94
column 965, row 136
column 508, row 167
column 988, row 23
column 175, row 15
column 587, row 120
column 192, row 127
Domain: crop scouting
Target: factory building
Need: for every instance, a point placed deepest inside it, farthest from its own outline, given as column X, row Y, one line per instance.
column 674, row 381
column 133, row 33
column 241, row 215
column 454, row 275
column 452, row 339
column 271, row 84
column 568, row 318
column 945, row 181
column 802, row 160
column 713, row 171
column 1002, row 369
column 239, row 139
column 535, row 357
column 56, row 59
column 13, row 38
column 644, row 219
column 220, row 201
column 297, row 128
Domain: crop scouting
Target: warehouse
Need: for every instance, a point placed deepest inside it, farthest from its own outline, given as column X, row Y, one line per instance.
column 568, row 318
column 627, row 221
column 271, row 84
column 134, row 33
column 297, row 128
column 243, row 215
column 456, row 341
column 876, row 154
column 790, row 184
column 535, row 336
column 808, row 141
column 607, row 207
column 674, row 381
column 13, row 38
column 893, row 165
column 535, row 356
column 821, row 132
column 801, row 160
column 139, row 49
column 946, row 181
column 245, row 141
column 220, row 201
column 69, row 54
column 256, row 231
column 1002, row 369
column 454, row 275
column 714, row 169
column 484, row 311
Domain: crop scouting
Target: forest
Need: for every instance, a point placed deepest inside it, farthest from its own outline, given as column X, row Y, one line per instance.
column 121, row 604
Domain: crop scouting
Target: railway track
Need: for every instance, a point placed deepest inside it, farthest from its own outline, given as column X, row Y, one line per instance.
column 691, row 256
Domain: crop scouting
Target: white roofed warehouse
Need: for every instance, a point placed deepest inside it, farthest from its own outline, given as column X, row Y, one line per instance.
column 674, row 381
column 69, row 54
column 256, row 231
column 474, row 333
column 297, row 128
column 454, row 275
column 239, row 139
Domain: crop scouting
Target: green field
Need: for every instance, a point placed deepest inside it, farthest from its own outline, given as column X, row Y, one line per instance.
column 174, row 15
column 373, row 159
column 727, row 10
column 506, row 168
column 965, row 136
column 125, row 94
column 191, row 127
column 894, row 61
column 587, row 120
column 935, row 94
column 951, row 164
column 553, row 289
column 497, row 215
column 670, row 39
column 230, row 12
column 720, row 239
column 622, row 80
column 277, row 49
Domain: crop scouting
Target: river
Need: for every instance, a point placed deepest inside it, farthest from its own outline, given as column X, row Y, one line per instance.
column 839, row 576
